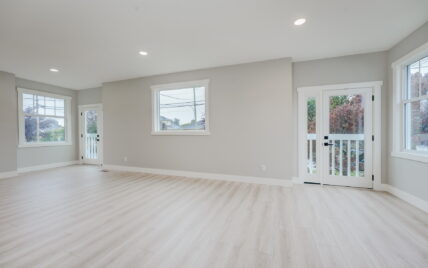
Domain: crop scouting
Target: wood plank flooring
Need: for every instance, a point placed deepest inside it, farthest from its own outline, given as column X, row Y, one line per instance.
column 81, row 217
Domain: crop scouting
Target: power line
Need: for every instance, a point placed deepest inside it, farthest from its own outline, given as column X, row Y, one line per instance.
column 177, row 105
column 173, row 97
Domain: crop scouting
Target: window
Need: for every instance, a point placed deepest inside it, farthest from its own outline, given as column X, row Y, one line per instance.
column 181, row 108
column 411, row 106
column 416, row 106
column 44, row 118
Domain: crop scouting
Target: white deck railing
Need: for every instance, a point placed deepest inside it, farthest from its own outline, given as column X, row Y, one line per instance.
column 339, row 163
column 91, row 146
column 312, row 149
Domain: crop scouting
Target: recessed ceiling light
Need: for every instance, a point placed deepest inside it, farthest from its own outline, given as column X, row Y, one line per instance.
column 54, row 70
column 144, row 53
column 299, row 21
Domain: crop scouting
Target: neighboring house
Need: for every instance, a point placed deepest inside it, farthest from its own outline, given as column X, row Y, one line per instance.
column 171, row 124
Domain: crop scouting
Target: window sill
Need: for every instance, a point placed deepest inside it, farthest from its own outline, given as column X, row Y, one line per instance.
column 29, row 145
column 181, row 133
column 420, row 157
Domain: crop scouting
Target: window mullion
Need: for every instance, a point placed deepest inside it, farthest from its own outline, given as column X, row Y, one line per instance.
column 42, row 115
column 37, row 128
column 424, row 97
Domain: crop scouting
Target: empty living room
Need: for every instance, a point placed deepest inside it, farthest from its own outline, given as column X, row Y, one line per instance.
column 214, row 133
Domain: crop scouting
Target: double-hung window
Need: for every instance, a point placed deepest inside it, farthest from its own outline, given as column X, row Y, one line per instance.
column 44, row 118
column 411, row 106
column 181, row 108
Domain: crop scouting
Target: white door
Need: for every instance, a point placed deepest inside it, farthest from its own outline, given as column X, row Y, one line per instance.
column 335, row 135
column 90, row 126
column 347, row 137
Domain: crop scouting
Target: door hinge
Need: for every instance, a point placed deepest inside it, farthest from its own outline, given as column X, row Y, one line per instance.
column 372, row 137
column 81, row 114
column 372, row 177
column 81, row 135
column 372, row 97
column 82, row 157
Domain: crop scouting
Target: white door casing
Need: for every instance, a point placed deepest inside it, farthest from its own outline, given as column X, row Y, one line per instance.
column 319, row 172
column 91, row 144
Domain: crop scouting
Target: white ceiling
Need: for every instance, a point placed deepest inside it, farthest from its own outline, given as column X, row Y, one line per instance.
column 95, row 41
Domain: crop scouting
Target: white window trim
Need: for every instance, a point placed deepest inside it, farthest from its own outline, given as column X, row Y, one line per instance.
column 399, row 84
column 172, row 86
column 67, row 119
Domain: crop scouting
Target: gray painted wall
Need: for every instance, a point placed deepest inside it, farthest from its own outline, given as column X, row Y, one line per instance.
column 90, row 96
column 33, row 156
column 8, row 122
column 250, row 123
column 340, row 70
column 252, row 115
column 407, row 175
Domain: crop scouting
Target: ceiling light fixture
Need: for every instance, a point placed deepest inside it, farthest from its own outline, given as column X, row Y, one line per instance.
column 143, row 53
column 300, row 21
column 53, row 70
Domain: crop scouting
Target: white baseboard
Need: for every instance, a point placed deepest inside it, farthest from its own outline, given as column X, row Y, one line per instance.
column 203, row 175
column 48, row 166
column 409, row 198
column 4, row 175
column 297, row 180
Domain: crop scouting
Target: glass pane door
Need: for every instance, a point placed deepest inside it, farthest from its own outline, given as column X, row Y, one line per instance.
column 90, row 122
column 311, row 146
column 347, row 137
column 309, row 129
column 91, row 134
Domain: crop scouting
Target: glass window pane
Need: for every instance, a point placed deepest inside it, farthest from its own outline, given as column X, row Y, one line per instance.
column 30, row 128
column 59, row 107
column 414, row 78
column 28, row 103
column 311, row 110
column 346, row 135
column 311, row 138
column 200, row 93
column 50, row 106
column 41, row 104
column 91, row 122
column 51, row 129
column 347, row 114
column 424, row 76
column 417, row 125
column 182, row 109
column 91, row 150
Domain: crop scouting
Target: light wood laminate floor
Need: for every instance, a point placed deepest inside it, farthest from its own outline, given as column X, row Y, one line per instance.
column 81, row 217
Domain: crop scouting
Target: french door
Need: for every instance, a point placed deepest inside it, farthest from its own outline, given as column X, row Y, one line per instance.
column 335, row 136
column 347, row 140
column 90, row 127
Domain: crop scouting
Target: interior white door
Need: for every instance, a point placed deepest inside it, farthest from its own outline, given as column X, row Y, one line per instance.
column 347, row 137
column 91, row 134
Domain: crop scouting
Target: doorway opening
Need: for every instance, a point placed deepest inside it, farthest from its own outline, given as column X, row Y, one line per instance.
column 90, row 134
column 337, row 144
